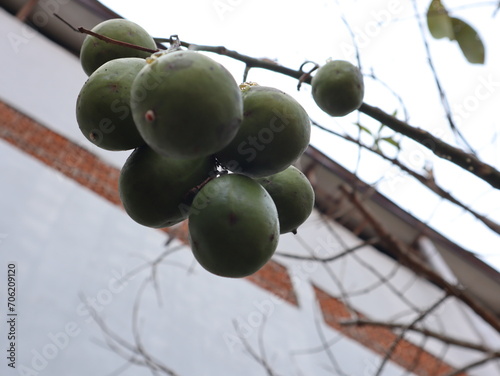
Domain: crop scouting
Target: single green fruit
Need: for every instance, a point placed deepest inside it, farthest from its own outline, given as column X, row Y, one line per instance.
column 338, row 88
column 233, row 226
column 274, row 133
column 186, row 105
column 293, row 195
column 103, row 105
column 155, row 189
column 95, row 52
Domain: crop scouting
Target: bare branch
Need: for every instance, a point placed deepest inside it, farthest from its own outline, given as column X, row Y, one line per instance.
column 392, row 91
column 261, row 359
column 427, row 181
column 133, row 353
column 329, row 258
column 426, row 332
column 104, row 38
column 442, row 93
column 478, row 363
column 326, row 346
column 152, row 264
column 405, row 329
column 440, row 148
column 410, row 260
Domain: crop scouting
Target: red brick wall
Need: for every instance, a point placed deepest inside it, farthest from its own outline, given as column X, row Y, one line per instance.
column 88, row 170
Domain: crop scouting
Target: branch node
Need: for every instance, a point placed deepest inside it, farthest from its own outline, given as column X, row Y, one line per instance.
column 306, row 76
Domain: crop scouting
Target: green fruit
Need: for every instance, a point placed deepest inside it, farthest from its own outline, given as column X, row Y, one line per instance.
column 274, row 133
column 293, row 195
column 338, row 88
column 103, row 105
column 95, row 52
column 233, row 226
column 186, row 105
column 155, row 189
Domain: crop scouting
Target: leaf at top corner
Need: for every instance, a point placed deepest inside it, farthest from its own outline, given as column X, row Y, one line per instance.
column 438, row 21
column 469, row 41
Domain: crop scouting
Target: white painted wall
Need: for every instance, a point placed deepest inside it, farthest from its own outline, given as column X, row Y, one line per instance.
column 43, row 80
column 67, row 241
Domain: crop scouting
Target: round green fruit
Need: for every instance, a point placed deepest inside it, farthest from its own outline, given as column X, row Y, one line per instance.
column 293, row 195
column 233, row 226
column 186, row 105
column 103, row 105
column 155, row 189
column 274, row 133
column 95, row 52
column 338, row 88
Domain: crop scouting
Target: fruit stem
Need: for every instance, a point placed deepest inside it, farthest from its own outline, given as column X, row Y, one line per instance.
column 104, row 38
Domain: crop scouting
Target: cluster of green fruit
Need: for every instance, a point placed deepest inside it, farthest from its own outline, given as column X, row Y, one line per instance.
column 206, row 148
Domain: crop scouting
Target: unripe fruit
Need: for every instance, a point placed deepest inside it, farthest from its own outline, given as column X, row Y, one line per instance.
column 338, row 88
column 293, row 195
column 186, row 105
column 95, row 52
column 155, row 189
column 274, row 133
column 103, row 105
column 233, row 226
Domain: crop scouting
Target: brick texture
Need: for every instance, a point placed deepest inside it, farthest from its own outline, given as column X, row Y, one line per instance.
column 88, row 170
column 380, row 340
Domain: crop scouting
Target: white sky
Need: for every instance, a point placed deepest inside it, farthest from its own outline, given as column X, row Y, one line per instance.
column 292, row 32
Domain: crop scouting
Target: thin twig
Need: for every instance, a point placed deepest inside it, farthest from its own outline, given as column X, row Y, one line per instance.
column 329, row 258
column 426, row 332
column 259, row 359
column 428, row 181
column 372, row 75
column 104, row 38
column 442, row 93
column 475, row 364
column 152, row 264
column 327, row 348
column 440, row 148
column 409, row 259
column 398, row 339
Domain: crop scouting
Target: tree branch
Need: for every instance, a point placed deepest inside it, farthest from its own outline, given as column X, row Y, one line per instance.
column 409, row 259
column 428, row 182
column 474, row 364
column 424, row 331
column 405, row 328
column 438, row 147
column 442, row 93
column 329, row 258
column 260, row 359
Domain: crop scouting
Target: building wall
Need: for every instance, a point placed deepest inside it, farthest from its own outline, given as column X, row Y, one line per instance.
column 62, row 224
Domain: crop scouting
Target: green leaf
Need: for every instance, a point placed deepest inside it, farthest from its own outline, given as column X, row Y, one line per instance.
column 438, row 21
column 364, row 129
column 391, row 141
column 469, row 41
column 382, row 125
